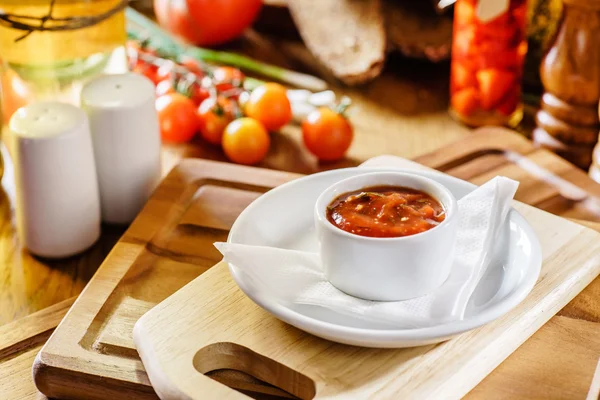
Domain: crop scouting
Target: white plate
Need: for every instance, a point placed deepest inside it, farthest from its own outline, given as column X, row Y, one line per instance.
column 283, row 217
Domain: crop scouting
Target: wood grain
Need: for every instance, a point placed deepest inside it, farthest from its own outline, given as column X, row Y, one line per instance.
column 28, row 283
column 181, row 225
column 217, row 326
column 20, row 341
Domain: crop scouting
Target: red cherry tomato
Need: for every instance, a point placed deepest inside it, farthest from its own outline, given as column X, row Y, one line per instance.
column 219, row 21
column 327, row 134
column 227, row 78
column 164, row 87
column 198, row 94
column 269, row 105
column 165, row 71
column 193, row 66
column 213, row 117
column 148, row 70
column 246, row 141
column 177, row 118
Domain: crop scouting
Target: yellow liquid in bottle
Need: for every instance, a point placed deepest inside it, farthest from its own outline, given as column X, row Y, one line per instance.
column 54, row 65
column 52, row 47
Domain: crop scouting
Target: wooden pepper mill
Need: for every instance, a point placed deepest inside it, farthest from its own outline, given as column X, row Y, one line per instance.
column 595, row 168
column 568, row 121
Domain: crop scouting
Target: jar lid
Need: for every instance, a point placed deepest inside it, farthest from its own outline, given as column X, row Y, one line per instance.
column 488, row 10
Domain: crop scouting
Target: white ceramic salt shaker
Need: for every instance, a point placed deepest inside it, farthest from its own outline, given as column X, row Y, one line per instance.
column 58, row 206
column 126, row 137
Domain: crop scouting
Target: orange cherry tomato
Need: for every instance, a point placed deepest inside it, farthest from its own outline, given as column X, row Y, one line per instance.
column 327, row 134
column 269, row 105
column 15, row 94
column 213, row 117
column 177, row 118
column 246, row 141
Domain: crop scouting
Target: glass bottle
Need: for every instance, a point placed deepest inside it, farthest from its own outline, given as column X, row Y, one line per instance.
column 488, row 50
column 55, row 64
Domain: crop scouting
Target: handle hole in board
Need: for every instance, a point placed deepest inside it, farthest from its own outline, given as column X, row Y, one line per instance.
column 216, row 358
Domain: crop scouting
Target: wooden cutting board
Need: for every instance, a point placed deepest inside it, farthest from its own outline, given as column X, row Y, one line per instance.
column 91, row 354
column 229, row 331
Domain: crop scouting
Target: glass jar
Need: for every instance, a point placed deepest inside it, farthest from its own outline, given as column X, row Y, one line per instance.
column 488, row 51
column 54, row 64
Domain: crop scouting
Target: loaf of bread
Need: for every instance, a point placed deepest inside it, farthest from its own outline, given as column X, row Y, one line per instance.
column 346, row 36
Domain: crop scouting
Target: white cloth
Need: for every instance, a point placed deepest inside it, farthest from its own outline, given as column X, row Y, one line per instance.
column 291, row 276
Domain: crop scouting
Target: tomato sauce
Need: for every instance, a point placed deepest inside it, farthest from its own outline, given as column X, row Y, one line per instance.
column 385, row 211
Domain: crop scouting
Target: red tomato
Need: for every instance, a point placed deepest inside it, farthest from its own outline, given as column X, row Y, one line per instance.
column 165, row 71
column 494, row 84
column 148, row 70
column 269, row 105
column 198, row 94
column 465, row 101
column 177, row 118
column 464, row 13
column 219, row 21
column 510, row 102
column 206, row 22
column 213, row 117
column 164, row 87
column 175, row 17
column 192, row 66
column 461, row 76
column 327, row 134
column 227, row 78
column 463, row 44
column 246, row 141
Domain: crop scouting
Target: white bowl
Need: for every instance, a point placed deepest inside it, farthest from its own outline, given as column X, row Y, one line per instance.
column 387, row 269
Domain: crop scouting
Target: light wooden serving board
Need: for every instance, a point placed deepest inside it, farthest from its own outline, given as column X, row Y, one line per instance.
column 91, row 355
column 211, row 325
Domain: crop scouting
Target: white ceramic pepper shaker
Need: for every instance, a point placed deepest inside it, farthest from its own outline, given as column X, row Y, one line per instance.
column 58, row 206
column 126, row 137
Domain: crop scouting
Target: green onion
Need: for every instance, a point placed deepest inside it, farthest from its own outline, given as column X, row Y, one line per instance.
column 140, row 27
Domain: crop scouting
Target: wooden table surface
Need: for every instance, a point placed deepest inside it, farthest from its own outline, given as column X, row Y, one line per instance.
column 404, row 113
column 401, row 113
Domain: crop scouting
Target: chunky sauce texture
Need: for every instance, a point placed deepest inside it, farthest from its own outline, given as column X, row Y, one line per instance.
column 385, row 211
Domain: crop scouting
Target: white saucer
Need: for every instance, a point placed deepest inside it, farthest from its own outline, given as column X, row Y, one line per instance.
column 283, row 217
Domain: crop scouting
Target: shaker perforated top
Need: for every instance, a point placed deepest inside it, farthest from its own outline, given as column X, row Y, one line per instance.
column 47, row 119
column 118, row 91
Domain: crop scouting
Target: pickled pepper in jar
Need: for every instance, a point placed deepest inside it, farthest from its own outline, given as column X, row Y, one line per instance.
column 488, row 51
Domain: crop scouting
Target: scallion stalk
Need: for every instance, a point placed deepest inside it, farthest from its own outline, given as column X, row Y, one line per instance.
column 141, row 27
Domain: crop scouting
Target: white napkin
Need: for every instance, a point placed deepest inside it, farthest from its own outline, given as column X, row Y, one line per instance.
column 296, row 277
